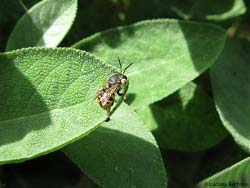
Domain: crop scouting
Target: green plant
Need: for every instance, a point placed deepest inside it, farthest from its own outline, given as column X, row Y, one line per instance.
column 168, row 122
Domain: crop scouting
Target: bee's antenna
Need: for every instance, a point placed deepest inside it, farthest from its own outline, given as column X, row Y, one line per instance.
column 120, row 64
column 127, row 68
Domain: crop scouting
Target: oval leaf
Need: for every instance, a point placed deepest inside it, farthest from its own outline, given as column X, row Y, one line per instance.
column 166, row 54
column 185, row 121
column 45, row 24
column 121, row 153
column 46, row 100
column 234, row 176
column 230, row 80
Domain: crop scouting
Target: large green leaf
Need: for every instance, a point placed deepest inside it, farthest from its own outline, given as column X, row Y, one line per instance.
column 121, row 153
column 45, row 24
column 230, row 80
column 166, row 54
column 186, row 120
column 234, row 176
column 46, row 100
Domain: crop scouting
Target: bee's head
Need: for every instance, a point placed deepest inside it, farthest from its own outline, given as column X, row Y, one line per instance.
column 119, row 77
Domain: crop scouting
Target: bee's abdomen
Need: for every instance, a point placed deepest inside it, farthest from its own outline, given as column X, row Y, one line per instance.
column 106, row 101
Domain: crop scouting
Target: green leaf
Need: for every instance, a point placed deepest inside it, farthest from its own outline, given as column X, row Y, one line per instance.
column 208, row 10
column 47, row 100
column 234, row 176
column 121, row 153
column 186, row 120
column 230, row 80
column 45, row 24
column 166, row 54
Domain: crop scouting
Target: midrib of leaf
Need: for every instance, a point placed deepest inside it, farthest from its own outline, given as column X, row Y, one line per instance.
column 49, row 110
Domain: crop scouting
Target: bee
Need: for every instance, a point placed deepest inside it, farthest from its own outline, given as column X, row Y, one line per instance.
column 115, row 84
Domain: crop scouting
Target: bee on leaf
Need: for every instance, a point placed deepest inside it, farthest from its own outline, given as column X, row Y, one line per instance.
column 118, row 84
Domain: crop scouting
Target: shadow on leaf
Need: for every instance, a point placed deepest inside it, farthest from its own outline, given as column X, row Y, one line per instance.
column 19, row 104
column 187, row 120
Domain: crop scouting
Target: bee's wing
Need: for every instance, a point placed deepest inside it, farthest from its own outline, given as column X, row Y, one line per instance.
column 100, row 91
column 113, row 89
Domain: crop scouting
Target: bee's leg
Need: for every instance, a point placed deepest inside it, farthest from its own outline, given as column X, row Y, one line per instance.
column 120, row 94
column 107, row 119
column 123, row 95
column 108, row 115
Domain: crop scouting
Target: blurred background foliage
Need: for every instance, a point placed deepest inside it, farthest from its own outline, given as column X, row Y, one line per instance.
column 97, row 15
column 55, row 170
